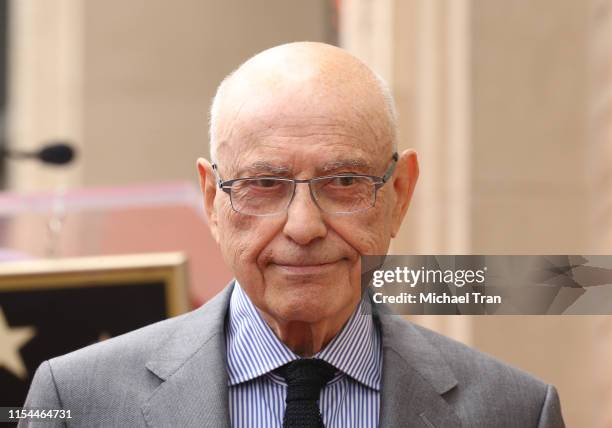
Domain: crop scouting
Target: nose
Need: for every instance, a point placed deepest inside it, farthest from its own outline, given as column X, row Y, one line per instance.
column 304, row 222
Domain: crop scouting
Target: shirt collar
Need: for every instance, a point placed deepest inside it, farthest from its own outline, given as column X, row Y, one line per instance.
column 254, row 350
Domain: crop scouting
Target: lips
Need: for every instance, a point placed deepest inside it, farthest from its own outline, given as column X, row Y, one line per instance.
column 309, row 268
column 302, row 264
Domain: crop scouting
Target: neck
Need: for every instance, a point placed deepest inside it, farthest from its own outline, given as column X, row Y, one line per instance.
column 307, row 338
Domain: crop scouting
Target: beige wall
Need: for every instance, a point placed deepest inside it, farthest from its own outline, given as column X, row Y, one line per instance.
column 530, row 192
column 534, row 167
column 152, row 66
column 529, row 126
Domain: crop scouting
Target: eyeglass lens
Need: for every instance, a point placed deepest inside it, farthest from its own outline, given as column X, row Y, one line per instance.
column 267, row 196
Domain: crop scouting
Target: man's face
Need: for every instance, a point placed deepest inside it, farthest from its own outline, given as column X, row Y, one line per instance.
column 302, row 265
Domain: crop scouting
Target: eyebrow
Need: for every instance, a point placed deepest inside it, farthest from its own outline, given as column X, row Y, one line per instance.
column 355, row 164
column 327, row 168
column 265, row 167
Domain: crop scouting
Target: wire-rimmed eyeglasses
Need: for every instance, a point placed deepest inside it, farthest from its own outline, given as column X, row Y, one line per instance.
column 334, row 194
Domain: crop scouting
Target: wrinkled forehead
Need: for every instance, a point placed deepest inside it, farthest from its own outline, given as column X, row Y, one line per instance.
column 301, row 124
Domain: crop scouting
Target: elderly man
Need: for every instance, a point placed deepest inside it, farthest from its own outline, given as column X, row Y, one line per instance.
column 304, row 179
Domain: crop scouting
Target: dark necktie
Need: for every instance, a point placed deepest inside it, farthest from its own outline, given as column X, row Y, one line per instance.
column 305, row 378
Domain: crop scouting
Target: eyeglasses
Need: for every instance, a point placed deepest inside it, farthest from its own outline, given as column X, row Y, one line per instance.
column 334, row 194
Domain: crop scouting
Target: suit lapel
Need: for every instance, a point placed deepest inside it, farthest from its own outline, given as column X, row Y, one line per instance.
column 192, row 367
column 415, row 377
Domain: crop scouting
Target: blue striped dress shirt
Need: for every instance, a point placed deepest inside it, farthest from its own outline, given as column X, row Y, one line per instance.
column 257, row 394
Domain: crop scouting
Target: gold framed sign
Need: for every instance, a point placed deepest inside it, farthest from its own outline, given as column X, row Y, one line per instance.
column 52, row 307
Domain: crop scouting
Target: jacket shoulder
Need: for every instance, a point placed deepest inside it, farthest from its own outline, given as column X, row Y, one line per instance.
column 120, row 360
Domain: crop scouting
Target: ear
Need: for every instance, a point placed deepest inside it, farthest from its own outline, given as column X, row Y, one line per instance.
column 208, row 185
column 404, row 181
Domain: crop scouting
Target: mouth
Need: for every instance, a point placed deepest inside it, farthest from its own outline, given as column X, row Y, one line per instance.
column 305, row 268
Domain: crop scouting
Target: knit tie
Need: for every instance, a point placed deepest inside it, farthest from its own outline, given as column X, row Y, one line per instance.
column 305, row 378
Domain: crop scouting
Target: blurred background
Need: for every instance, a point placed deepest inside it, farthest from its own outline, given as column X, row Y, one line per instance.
column 508, row 104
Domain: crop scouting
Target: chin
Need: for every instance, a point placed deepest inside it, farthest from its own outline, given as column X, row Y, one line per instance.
column 308, row 298
column 308, row 307
column 300, row 308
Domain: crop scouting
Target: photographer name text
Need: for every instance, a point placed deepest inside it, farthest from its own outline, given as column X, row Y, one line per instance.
column 437, row 298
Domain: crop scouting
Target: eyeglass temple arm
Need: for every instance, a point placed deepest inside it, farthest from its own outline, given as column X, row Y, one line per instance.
column 219, row 181
column 391, row 168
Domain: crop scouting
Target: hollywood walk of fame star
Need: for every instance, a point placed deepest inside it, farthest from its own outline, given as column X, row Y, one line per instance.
column 11, row 340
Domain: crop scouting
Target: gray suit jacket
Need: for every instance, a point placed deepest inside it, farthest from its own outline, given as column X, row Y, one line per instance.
column 173, row 374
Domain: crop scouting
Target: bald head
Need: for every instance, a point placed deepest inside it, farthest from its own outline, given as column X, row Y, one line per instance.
column 286, row 77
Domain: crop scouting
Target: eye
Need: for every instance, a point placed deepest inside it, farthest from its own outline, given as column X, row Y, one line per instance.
column 265, row 183
column 344, row 181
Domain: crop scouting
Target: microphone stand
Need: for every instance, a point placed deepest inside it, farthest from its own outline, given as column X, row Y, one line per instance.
column 16, row 154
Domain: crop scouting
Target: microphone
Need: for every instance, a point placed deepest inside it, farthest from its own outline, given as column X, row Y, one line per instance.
column 55, row 153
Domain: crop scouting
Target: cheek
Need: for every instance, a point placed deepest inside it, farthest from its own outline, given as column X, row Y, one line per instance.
column 233, row 230
column 242, row 239
column 367, row 233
